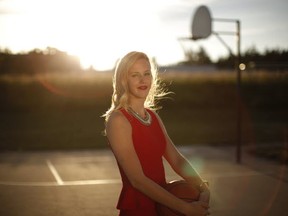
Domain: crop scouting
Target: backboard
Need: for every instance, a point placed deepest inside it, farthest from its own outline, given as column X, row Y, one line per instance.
column 201, row 23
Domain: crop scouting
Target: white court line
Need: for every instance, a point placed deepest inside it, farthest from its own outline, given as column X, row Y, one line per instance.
column 233, row 174
column 226, row 175
column 65, row 183
column 115, row 181
column 54, row 172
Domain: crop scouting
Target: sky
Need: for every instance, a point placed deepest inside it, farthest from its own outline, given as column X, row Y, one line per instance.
column 100, row 32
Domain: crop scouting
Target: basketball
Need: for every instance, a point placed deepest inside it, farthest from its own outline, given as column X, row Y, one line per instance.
column 182, row 190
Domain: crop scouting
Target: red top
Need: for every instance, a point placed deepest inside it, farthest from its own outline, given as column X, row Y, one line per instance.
column 149, row 143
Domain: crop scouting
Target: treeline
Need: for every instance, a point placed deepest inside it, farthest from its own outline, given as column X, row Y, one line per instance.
column 38, row 61
column 270, row 59
column 54, row 60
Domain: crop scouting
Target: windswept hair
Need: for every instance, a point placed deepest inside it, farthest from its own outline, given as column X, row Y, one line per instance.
column 120, row 84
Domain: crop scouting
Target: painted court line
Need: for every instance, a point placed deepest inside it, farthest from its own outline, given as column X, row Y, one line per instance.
column 233, row 174
column 54, row 172
column 107, row 181
column 65, row 183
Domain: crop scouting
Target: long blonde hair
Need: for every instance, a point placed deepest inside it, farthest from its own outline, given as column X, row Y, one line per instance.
column 120, row 84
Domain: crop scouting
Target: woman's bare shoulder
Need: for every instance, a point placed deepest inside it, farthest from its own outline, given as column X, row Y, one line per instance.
column 117, row 118
column 118, row 129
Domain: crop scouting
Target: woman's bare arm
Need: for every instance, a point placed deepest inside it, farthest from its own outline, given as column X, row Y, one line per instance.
column 178, row 162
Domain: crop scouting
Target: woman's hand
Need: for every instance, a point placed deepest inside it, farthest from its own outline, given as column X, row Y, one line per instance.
column 205, row 196
column 198, row 208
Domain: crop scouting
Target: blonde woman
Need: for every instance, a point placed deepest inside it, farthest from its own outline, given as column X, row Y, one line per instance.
column 139, row 141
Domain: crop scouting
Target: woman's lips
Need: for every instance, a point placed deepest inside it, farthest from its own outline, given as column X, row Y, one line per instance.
column 142, row 87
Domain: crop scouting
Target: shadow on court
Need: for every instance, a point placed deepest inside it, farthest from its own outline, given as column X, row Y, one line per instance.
column 86, row 183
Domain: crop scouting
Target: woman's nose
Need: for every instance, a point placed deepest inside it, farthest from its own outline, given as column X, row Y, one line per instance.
column 142, row 78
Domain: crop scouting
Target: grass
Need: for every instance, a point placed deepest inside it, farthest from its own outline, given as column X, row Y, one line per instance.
column 53, row 111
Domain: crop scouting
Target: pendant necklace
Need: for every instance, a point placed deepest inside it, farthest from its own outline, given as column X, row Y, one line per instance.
column 146, row 121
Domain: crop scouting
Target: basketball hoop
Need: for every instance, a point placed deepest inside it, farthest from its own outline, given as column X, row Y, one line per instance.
column 201, row 23
column 201, row 28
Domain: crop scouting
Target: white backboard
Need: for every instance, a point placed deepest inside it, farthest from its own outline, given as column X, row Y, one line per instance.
column 201, row 23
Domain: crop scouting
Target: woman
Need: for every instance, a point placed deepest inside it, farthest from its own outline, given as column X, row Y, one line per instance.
column 139, row 141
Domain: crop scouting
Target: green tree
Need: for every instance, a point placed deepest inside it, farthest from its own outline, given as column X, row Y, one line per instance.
column 196, row 58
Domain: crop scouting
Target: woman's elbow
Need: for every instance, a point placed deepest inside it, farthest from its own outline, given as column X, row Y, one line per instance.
column 137, row 181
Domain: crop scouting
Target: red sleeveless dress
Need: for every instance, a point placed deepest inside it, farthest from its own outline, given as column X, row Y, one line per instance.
column 149, row 143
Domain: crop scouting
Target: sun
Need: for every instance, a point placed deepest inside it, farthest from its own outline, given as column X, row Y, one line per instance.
column 102, row 32
column 87, row 31
column 97, row 32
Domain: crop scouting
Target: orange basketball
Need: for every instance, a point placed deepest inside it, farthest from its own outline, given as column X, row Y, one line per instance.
column 182, row 190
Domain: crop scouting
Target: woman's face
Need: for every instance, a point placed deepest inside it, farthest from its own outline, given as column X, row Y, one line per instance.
column 139, row 79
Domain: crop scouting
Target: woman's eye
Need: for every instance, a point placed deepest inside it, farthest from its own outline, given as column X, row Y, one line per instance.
column 134, row 75
column 147, row 74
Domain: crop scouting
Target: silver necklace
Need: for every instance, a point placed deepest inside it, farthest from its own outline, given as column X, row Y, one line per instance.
column 146, row 121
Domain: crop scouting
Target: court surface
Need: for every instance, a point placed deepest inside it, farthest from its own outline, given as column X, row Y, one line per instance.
column 86, row 183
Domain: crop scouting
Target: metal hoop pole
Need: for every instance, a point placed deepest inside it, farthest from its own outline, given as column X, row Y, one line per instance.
column 237, row 62
column 239, row 112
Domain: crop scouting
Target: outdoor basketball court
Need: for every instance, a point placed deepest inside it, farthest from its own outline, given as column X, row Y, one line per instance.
column 88, row 183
